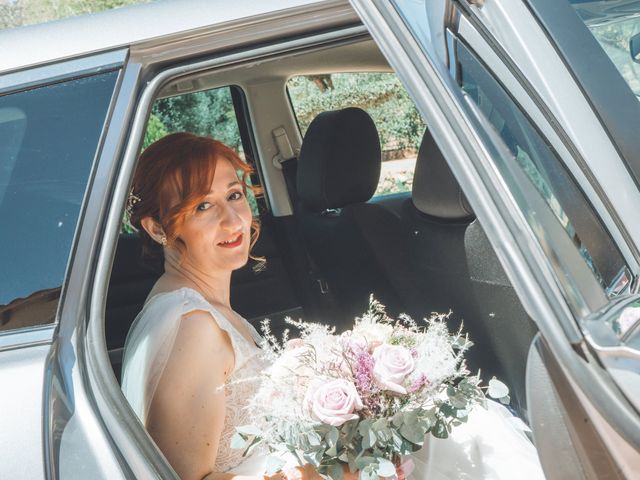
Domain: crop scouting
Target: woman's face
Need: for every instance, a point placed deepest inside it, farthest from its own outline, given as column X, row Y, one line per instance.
column 217, row 233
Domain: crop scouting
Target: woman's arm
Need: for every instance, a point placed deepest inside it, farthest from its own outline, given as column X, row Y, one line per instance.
column 187, row 412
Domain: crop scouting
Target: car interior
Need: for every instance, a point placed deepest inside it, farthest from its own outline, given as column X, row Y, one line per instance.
column 328, row 241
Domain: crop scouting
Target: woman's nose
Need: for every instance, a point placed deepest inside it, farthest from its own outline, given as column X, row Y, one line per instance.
column 231, row 219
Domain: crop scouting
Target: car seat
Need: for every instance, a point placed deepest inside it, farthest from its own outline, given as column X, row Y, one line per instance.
column 355, row 245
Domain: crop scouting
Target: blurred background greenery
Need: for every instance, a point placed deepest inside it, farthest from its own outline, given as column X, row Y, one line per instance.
column 17, row 13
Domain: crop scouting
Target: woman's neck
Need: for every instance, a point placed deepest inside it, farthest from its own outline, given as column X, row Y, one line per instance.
column 214, row 286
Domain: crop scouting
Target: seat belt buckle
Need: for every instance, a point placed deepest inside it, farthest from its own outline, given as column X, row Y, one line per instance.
column 283, row 146
column 324, row 286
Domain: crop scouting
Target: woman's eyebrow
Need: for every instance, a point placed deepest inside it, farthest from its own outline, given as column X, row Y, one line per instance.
column 235, row 182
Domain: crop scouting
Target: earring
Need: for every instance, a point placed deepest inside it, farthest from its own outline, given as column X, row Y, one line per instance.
column 163, row 240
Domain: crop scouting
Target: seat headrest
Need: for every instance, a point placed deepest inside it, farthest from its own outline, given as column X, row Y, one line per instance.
column 339, row 162
column 435, row 190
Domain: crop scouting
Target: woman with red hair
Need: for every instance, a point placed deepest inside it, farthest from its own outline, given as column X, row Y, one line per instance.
column 189, row 202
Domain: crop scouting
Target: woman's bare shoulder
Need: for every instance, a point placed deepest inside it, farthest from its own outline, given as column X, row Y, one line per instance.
column 202, row 351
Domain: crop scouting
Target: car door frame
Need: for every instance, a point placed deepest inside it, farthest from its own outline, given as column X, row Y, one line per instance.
column 57, row 361
column 531, row 270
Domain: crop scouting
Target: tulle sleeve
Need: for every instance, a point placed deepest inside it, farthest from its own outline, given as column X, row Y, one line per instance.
column 147, row 348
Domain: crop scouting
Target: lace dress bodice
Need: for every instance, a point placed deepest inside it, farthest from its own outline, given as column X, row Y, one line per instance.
column 146, row 348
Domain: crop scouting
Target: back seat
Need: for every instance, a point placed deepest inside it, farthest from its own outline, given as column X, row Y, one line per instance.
column 461, row 271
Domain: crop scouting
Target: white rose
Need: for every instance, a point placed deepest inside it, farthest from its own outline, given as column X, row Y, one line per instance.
column 374, row 333
column 289, row 364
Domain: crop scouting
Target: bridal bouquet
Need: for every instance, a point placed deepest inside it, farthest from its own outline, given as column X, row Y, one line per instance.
column 364, row 398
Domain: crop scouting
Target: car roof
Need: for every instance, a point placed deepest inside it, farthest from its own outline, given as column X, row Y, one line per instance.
column 23, row 47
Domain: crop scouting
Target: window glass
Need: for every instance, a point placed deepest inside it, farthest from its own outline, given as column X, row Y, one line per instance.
column 382, row 96
column 616, row 26
column 209, row 113
column 542, row 166
column 48, row 139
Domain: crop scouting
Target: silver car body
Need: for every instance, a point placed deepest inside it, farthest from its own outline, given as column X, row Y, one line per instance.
column 63, row 413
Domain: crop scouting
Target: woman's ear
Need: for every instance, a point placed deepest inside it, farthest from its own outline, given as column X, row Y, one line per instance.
column 153, row 228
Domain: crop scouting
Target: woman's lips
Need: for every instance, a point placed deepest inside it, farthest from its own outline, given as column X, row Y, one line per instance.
column 236, row 243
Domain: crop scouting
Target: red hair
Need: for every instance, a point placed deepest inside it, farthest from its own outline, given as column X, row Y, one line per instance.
column 172, row 176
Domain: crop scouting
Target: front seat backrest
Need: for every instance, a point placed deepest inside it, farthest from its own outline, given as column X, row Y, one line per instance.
column 338, row 172
column 464, row 274
column 340, row 160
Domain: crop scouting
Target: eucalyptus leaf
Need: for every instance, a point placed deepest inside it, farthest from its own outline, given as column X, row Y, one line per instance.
column 273, row 465
column 411, row 416
column 398, row 419
column 497, row 389
column 462, row 414
column 368, row 439
column 439, row 430
column 365, row 425
column 368, row 475
column 238, row 441
column 332, row 437
column 413, row 433
column 459, row 400
column 448, row 410
column 254, row 443
column 336, row 472
column 314, row 438
column 380, row 424
column 408, row 447
column 396, row 438
column 351, row 460
column 313, row 457
column 363, row 462
column 249, row 430
column 386, row 468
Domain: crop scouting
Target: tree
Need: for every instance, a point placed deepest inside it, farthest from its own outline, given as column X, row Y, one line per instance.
column 155, row 131
column 28, row 12
column 208, row 113
column 380, row 94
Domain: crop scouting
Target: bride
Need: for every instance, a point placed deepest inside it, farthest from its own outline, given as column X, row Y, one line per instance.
column 187, row 347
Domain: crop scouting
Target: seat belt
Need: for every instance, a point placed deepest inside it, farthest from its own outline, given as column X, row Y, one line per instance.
column 321, row 298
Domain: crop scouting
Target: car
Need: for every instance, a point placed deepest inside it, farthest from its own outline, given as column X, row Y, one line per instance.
column 521, row 217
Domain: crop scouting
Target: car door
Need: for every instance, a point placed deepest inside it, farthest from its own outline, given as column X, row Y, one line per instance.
column 52, row 124
column 550, row 170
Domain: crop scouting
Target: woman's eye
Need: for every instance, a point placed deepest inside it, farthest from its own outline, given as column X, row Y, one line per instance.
column 236, row 196
column 203, row 206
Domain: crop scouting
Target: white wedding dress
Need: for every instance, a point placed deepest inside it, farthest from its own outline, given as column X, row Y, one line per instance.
column 491, row 445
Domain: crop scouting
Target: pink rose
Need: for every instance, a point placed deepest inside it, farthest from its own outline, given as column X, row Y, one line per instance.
column 392, row 365
column 333, row 402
